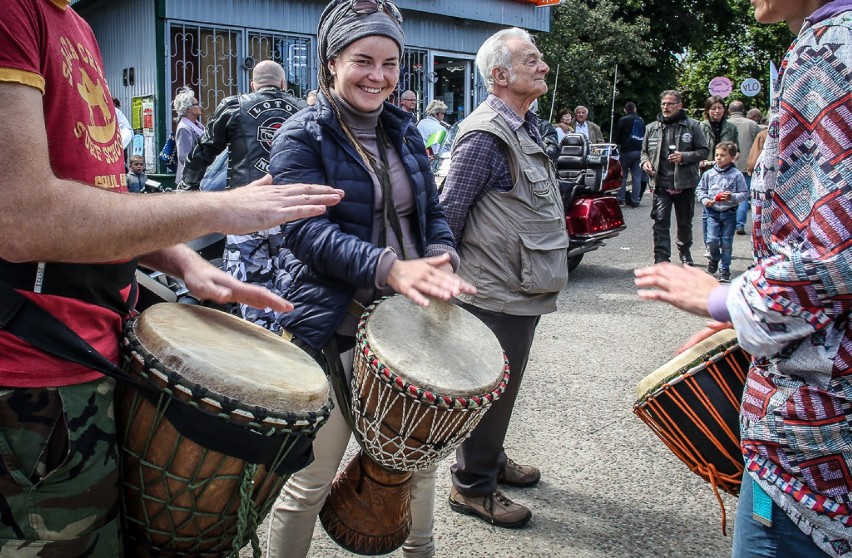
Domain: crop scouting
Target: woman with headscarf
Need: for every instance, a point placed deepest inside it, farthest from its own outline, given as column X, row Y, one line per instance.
column 189, row 128
column 366, row 248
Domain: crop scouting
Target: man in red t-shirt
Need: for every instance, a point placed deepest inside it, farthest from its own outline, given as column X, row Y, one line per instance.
column 69, row 245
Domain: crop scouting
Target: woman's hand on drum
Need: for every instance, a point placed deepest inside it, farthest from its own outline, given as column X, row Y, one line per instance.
column 418, row 279
column 262, row 205
column 711, row 328
column 684, row 287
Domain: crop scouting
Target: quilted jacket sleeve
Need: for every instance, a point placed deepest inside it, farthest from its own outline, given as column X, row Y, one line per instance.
column 300, row 156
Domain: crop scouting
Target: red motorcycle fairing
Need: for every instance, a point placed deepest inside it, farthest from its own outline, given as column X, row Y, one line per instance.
column 595, row 216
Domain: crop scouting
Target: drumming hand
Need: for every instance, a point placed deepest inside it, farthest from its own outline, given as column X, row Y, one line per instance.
column 262, row 205
column 208, row 282
column 417, row 279
column 709, row 329
column 683, row 287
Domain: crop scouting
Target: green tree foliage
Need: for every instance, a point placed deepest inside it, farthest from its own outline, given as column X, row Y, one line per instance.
column 744, row 51
column 587, row 39
column 658, row 45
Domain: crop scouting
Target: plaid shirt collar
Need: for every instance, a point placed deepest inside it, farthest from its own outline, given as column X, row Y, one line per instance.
column 513, row 119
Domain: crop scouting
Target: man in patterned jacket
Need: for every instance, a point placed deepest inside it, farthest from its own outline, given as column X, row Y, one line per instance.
column 245, row 124
column 792, row 309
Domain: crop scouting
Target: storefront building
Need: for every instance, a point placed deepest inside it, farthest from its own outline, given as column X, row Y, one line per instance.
column 153, row 48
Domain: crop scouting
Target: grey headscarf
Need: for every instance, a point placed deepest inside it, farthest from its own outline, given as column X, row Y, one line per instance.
column 339, row 27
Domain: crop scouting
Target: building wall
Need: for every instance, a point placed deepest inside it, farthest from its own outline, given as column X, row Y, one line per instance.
column 438, row 33
column 302, row 17
column 126, row 34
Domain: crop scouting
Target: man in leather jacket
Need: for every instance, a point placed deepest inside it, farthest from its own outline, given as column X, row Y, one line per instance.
column 245, row 124
column 671, row 150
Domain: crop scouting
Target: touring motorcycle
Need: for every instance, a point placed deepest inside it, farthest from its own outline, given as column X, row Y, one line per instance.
column 589, row 175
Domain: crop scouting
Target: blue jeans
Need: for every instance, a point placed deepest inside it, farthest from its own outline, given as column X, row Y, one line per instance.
column 742, row 210
column 720, row 236
column 630, row 162
column 754, row 540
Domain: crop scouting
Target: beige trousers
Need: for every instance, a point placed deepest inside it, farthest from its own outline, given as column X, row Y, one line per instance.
column 295, row 512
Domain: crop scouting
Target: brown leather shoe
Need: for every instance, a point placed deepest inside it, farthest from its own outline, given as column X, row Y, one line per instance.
column 494, row 508
column 515, row 474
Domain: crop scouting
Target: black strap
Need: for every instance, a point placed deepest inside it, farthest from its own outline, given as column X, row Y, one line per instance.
column 329, row 360
column 31, row 323
column 99, row 284
column 382, row 170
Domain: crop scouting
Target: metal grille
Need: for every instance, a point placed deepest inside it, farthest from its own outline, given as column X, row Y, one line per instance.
column 412, row 75
column 295, row 54
column 204, row 59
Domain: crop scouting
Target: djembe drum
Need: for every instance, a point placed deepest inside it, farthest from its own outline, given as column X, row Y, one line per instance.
column 224, row 411
column 692, row 404
column 422, row 380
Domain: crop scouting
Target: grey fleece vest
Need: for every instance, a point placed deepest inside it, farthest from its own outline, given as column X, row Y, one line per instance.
column 514, row 249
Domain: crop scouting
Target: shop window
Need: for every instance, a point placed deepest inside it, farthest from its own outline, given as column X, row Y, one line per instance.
column 295, row 54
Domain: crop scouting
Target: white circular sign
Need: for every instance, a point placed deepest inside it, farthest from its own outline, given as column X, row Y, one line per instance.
column 721, row 86
column 750, row 87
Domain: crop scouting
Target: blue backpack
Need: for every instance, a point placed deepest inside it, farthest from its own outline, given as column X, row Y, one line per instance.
column 637, row 133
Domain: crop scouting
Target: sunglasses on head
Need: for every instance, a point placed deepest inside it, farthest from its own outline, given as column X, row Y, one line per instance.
column 366, row 7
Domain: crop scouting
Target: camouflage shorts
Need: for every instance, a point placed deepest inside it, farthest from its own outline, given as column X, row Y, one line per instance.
column 59, row 472
column 252, row 258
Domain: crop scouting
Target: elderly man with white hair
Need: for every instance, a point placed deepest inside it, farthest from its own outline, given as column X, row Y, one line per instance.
column 502, row 203
column 582, row 125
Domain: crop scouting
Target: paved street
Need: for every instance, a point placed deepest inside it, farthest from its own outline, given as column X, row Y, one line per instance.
column 609, row 487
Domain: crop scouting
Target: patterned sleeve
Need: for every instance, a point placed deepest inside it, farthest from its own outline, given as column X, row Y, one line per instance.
column 20, row 35
column 802, row 281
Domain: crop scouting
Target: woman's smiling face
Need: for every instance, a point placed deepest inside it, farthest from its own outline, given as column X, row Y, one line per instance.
column 366, row 72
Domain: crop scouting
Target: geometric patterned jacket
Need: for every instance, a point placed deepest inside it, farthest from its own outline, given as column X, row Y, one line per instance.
column 791, row 310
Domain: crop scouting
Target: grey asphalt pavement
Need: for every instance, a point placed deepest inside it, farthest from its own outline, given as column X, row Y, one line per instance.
column 609, row 487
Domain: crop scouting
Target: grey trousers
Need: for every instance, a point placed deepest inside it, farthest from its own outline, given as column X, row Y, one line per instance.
column 294, row 514
column 480, row 457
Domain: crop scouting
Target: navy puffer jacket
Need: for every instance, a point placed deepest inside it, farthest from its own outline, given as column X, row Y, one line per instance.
column 324, row 259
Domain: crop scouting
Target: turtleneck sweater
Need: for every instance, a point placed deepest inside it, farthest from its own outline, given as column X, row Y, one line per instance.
column 363, row 126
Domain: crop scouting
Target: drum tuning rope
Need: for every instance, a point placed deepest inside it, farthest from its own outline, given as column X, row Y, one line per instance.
column 692, row 405
column 714, row 482
column 249, row 519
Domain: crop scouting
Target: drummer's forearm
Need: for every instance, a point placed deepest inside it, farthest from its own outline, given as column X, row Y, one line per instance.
column 174, row 260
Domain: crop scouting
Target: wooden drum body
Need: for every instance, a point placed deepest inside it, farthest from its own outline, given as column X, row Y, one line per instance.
column 692, row 404
column 422, row 380
column 234, row 413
